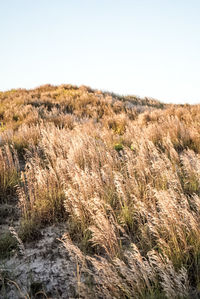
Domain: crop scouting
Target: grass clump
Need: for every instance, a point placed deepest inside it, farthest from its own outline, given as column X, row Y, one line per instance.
column 29, row 230
column 42, row 201
column 8, row 245
column 9, row 172
column 118, row 147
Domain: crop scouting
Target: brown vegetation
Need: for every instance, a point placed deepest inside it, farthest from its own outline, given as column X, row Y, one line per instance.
column 122, row 172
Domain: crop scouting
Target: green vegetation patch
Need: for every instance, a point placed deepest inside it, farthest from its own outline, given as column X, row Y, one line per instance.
column 8, row 245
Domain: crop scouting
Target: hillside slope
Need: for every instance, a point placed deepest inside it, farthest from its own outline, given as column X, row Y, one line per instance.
column 99, row 195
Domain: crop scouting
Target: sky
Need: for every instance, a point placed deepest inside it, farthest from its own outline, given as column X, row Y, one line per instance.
column 140, row 47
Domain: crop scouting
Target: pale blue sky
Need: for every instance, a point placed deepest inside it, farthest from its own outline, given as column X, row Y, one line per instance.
column 141, row 47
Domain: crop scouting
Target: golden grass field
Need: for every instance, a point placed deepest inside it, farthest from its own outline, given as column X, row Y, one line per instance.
column 123, row 175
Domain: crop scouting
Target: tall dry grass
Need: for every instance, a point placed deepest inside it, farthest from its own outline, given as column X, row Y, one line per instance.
column 9, row 172
column 123, row 173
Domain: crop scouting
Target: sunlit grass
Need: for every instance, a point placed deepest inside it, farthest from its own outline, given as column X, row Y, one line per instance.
column 123, row 173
